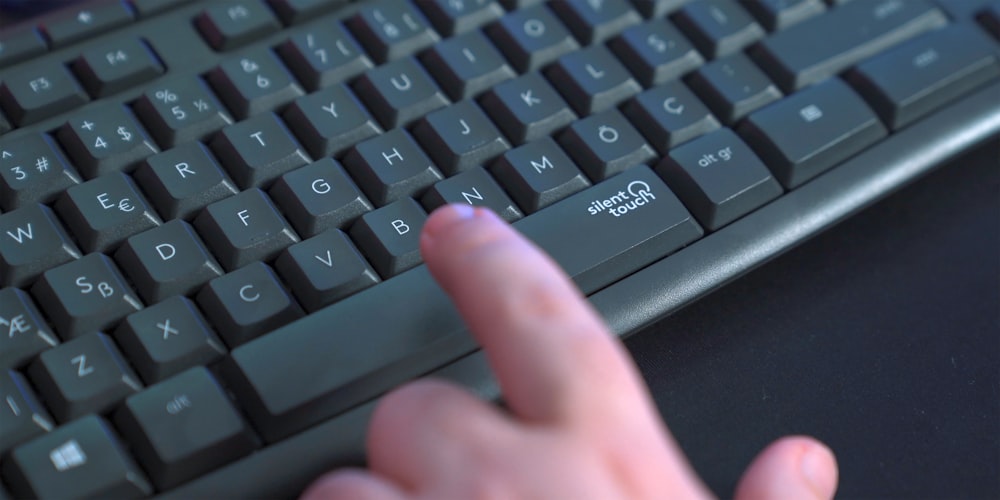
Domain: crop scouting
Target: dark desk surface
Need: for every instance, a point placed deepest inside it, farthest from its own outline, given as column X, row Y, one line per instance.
column 881, row 337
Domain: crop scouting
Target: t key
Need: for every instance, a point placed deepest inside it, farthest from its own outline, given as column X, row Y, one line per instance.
column 258, row 150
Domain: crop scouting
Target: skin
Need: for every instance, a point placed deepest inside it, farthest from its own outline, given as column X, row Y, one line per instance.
column 580, row 422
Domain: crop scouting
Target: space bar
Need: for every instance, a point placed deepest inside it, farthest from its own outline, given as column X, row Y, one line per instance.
column 352, row 351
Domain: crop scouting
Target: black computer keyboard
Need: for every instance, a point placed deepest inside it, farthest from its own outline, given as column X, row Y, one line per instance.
column 209, row 211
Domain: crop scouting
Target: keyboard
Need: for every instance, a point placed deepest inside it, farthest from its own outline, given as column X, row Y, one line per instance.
column 209, row 211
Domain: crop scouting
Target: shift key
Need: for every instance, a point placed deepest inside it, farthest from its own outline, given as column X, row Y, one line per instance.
column 356, row 349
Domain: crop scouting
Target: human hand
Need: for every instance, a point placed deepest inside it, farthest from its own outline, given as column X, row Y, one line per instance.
column 581, row 423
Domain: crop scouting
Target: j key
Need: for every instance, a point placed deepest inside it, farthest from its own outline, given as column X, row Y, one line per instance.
column 527, row 108
column 244, row 228
column 115, row 66
column 84, row 375
column 32, row 169
column 181, row 110
column 31, row 241
column 391, row 166
column 85, row 295
column 811, row 131
column 253, row 83
column 911, row 80
column 23, row 332
column 718, row 27
column 182, row 181
column 166, row 425
column 318, row 197
column 668, row 115
column 247, row 303
column 168, row 338
column 322, row 57
column 105, row 211
column 594, row 22
column 780, row 14
column 390, row 29
column 825, row 45
column 39, row 91
column 297, row 11
column 390, row 236
column 325, row 269
column 227, row 25
column 330, row 121
column 450, row 17
column 105, row 139
column 168, row 260
column 82, row 459
column 399, row 92
column 474, row 187
column 258, row 150
column 657, row 8
column 22, row 417
column 393, row 343
column 460, row 137
column 20, row 45
column 532, row 38
column 605, row 144
column 99, row 17
column 719, row 178
column 592, row 80
column 538, row 174
column 656, row 52
column 467, row 65
column 733, row 87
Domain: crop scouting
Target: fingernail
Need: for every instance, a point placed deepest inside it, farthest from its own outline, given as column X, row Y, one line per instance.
column 445, row 217
column 815, row 466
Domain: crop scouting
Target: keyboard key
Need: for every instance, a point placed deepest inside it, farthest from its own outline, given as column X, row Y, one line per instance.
column 167, row 338
column 718, row 27
column 181, row 110
column 168, row 260
column 391, row 167
column 39, row 91
column 95, row 18
column 297, row 11
column 166, row 426
column 105, row 211
column 231, row 24
column 330, row 121
column 391, row 29
column 78, row 460
column 257, row 151
column 145, row 8
column 605, row 144
column 532, row 38
column 911, row 80
column 325, row 269
column 594, row 22
column 322, row 57
column 657, row 8
column 253, row 83
column 319, row 197
column 23, row 332
column 719, row 178
column 733, row 87
column 655, row 52
column 668, row 115
column 527, row 108
column 592, row 80
column 826, row 45
column 117, row 65
column 86, row 295
column 538, row 174
column 474, row 187
column 247, row 303
column 811, row 131
column 181, row 181
column 244, row 228
column 390, row 236
column 32, row 240
column 467, row 65
column 777, row 15
column 399, row 92
column 20, row 45
column 450, row 17
column 105, row 139
column 32, row 170
column 22, row 417
column 460, row 137
column 84, row 375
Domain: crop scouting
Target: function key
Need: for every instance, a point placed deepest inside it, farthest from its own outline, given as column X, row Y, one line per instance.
column 23, row 332
column 656, row 52
column 780, row 14
column 451, row 17
column 297, row 11
column 88, row 21
column 31, row 241
column 115, row 66
column 733, row 87
column 20, row 45
column 180, row 110
column 104, row 211
column 532, row 38
column 232, row 24
column 390, row 236
column 254, row 82
column 247, row 303
column 718, row 27
column 37, row 92
column 392, row 29
column 595, row 22
column 32, row 169
column 104, row 139
column 322, row 57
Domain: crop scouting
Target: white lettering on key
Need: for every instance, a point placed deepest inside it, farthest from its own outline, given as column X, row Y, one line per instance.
column 104, row 201
column 320, row 186
column 244, row 216
column 178, row 404
column 465, row 127
column 87, row 287
column 82, row 369
column 257, row 135
column 166, row 251
column 67, row 456
column 328, row 261
column 17, row 324
column 595, row 73
column 534, row 28
column 21, row 234
column 529, row 99
column 389, row 157
column 332, row 109
column 635, row 195
column 474, row 195
column 167, row 329
column 183, row 168
column 607, row 134
column 40, row 85
column 400, row 227
column 403, row 84
column 544, row 165
column 247, row 296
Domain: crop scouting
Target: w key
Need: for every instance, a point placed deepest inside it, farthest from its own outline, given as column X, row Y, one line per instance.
column 31, row 241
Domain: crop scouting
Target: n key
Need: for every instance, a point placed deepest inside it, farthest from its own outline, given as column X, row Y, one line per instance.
column 31, row 241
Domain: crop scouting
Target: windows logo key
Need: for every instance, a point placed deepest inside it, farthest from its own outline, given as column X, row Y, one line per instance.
column 68, row 456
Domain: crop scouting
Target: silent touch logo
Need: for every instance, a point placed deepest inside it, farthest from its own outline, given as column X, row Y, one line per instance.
column 636, row 195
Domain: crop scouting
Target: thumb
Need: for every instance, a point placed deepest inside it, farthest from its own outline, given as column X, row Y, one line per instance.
column 791, row 467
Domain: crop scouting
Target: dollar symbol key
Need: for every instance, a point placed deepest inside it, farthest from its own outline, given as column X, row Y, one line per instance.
column 124, row 134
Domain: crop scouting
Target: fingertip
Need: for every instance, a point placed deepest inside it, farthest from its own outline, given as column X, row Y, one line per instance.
column 818, row 466
column 351, row 484
column 792, row 467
